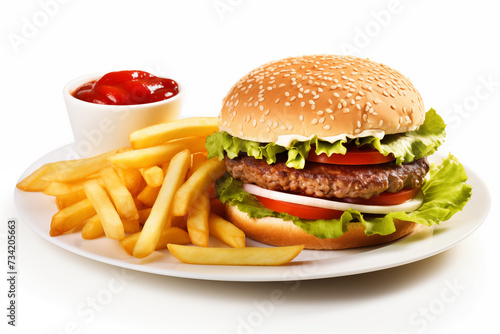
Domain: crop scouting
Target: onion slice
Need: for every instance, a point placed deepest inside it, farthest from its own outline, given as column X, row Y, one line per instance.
column 407, row 206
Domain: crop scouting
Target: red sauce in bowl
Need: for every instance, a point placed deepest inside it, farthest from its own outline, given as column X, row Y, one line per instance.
column 126, row 88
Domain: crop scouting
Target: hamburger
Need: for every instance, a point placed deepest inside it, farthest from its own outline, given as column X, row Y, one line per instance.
column 331, row 152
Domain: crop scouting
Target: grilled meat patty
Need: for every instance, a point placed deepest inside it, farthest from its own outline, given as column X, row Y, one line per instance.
column 329, row 181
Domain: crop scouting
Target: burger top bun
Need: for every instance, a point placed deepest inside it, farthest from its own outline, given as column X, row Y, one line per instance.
column 322, row 95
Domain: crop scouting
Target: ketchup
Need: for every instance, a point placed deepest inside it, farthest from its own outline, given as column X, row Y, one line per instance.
column 126, row 88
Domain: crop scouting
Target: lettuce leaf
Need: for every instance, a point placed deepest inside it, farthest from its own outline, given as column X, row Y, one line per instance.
column 445, row 190
column 406, row 147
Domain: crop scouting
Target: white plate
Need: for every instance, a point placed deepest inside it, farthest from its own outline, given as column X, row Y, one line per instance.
column 37, row 209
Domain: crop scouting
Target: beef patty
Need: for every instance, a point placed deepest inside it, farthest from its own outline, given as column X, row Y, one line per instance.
column 328, row 181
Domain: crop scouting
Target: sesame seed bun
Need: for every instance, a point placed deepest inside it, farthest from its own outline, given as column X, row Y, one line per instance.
column 279, row 232
column 322, row 95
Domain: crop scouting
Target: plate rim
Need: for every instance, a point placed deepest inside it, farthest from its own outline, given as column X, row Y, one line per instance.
column 293, row 271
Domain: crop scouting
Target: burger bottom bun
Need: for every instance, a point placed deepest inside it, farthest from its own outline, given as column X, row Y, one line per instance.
column 279, row 232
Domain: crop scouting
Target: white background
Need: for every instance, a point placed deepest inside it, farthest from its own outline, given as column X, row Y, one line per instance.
column 450, row 51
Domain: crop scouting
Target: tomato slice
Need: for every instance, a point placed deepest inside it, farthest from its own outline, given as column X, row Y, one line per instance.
column 353, row 156
column 312, row 212
column 299, row 210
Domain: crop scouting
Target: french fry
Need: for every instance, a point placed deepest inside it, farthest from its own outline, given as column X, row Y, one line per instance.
column 61, row 188
column 248, row 256
column 161, row 133
column 143, row 215
column 67, row 199
column 179, row 222
column 111, row 222
column 132, row 179
column 121, row 197
column 226, row 231
column 131, row 226
column 158, row 217
column 197, row 159
column 206, row 174
column 93, row 228
column 197, row 221
column 170, row 235
column 148, row 195
column 82, row 169
column 164, row 166
column 34, row 181
column 152, row 175
column 138, row 204
column 156, row 155
column 71, row 217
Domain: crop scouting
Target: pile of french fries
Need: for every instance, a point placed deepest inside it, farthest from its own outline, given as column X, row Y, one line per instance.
column 155, row 194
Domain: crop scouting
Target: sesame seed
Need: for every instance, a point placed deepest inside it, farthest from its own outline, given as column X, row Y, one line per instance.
column 314, row 121
column 288, row 104
column 301, row 118
column 277, row 100
column 326, row 127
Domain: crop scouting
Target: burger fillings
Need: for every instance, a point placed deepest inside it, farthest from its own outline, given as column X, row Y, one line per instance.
column 335, row 128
